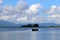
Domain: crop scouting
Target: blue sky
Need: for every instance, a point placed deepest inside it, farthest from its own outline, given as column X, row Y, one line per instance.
column 12, row 2
column 44, row 11
column 45, row 3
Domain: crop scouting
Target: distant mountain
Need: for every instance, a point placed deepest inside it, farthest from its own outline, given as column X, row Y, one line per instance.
column 21, row 24
column 40, row 24
column 48, row 24
column 6, row 23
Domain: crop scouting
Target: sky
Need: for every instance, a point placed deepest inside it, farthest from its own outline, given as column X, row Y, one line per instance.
column 30, row 11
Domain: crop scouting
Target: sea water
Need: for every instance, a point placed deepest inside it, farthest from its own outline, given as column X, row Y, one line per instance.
column 28, row 34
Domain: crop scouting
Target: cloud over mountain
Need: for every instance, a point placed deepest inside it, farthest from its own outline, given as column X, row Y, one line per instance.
column 21, row 12
column 54, row 14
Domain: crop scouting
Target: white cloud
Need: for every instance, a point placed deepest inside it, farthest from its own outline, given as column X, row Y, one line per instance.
column 7, row 10
column 37, row 19
column 10, row 13
column 33, row 9
column 53, row 7
column 51, row 10
column 21, row 13
column 1, row 1
column 20, row 6
column 4, row 17
column 22, row 19
column 58, row 8
column 10, row 18
column 54, row 17
column 54, row 14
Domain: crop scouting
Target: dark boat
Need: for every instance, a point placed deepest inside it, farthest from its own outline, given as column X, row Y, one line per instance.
column 34, row 29
column 33, row 26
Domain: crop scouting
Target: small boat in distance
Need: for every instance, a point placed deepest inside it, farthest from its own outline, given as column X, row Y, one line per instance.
column 33, row 26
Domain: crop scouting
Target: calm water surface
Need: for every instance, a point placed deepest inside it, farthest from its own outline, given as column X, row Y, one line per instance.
column 27, row 34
